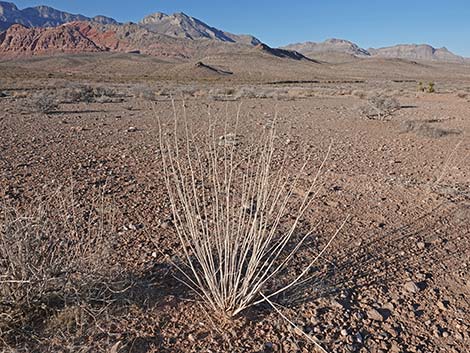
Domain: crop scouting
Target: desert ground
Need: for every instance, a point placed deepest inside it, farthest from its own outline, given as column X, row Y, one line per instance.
column 396, row 278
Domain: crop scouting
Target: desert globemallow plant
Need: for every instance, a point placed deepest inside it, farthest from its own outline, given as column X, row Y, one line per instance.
column 230, row 213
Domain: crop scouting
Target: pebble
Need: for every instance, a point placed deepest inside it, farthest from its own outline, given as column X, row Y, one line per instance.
column 441, row 305
column 373, row 314
column 166, row 225
column 344, row 332
column 411, row 287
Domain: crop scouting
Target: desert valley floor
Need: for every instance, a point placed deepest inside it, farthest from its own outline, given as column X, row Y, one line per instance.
column 395, row 279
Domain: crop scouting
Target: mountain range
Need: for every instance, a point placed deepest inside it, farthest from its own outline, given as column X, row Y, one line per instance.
column 423, row 52
column 41, row 16
column 44, row 30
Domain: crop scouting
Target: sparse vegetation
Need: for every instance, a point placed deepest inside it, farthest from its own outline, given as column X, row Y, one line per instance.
column 53, row 256
column 431, row 87
column 234, row 240
column 424, row 128
column 359, row 94
column 89, row 94
column 421, row 87
column 45, row 102
column 380, row 107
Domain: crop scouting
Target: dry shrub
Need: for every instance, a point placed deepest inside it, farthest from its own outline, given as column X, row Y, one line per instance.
column 222, row 93
column 89, row 94
column 236, row 217
column 19, row 94
column 380, row 107
column 44, row 102
column 359, row 94
column 300, row 93
column 425, row 129
column 55, row 246
column 145, row 92
column 256, row 92
column 54, row 255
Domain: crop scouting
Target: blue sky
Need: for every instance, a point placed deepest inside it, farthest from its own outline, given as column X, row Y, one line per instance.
column 367, row 23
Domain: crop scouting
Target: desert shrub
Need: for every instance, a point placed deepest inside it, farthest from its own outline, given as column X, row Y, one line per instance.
column 45, row 102
column 88, row 94
column 256, row 92
column 222, row 93
column 425, row 129
column 54, row 250
column 144, row 91
column 300, row 93
column 431, row 87
column 359, row 94
column 421, row 87
column 236, row 218
column 186, row 91
column 380, row 107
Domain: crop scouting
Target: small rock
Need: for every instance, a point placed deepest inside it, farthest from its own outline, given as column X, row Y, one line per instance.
column 442, row 305
column 268, row 345
column 131, row 129
column 373, row 314
column 421, row 245
column 344, row 332
column 166, row 225
column 411, row 287
column 336, row 304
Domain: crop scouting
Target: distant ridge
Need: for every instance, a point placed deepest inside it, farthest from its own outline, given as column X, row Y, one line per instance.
column 417, row 52
column 330, row 45
column 41, row 16
column 423, row 52
column 181, row 25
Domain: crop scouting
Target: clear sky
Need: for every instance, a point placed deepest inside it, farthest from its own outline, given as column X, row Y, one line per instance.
column 369, row 23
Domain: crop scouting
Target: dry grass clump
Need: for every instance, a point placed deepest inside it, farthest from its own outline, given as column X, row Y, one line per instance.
column 236, row 216
column 53, row 255
column 380, row 107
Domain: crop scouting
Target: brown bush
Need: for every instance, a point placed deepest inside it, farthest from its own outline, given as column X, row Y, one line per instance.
column 380, row 107
column 53, row 248
column 44, row 102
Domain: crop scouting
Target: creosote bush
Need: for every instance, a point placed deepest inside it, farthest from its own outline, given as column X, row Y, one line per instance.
column 236, row 217
column 45, row 102
column 380, row 107
column 89, row 94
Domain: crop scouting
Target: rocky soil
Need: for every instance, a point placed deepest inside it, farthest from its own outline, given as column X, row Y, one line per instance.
column 396, row 279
